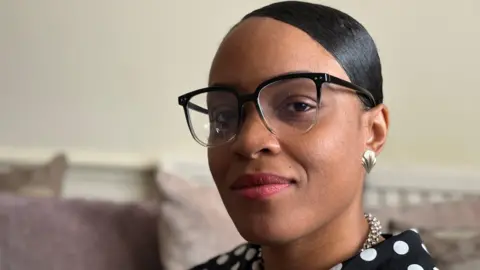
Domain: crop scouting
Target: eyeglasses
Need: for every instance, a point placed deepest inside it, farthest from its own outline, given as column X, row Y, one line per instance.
column 287, row 104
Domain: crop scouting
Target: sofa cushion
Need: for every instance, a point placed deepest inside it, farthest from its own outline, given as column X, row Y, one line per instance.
column 50, row 234
column 449, row 229
column 194, row 224
column 452, row 249
column 35, row 181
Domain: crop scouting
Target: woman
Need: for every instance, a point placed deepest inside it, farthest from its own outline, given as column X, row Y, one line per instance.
column 293, row 118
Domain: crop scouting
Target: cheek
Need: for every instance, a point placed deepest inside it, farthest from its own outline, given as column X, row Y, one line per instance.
column 218, row 162
column 331, row 158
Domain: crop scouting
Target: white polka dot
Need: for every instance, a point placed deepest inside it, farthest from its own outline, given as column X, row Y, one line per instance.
column 434, row 268
column 240, row 250
column 414, row 230
column 415, row 267
column 222, row 259
column 401, row 248
column 256, row 265
column 250, row 254
column 425, row 247
column 236, row 266
column 337, row 267
column 368, row 254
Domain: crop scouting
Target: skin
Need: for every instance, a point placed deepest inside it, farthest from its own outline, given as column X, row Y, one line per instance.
column 317, row 222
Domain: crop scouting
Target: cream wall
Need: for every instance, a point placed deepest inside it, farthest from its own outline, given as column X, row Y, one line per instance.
column 101, row 78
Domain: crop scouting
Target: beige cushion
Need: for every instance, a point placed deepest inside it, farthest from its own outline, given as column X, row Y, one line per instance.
column 194, row 225
column 39, row 181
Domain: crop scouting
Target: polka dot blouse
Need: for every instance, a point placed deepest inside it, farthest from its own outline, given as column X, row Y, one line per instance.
column 401, row 252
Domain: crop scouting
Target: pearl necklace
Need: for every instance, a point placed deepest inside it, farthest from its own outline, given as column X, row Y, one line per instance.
column 373, row 238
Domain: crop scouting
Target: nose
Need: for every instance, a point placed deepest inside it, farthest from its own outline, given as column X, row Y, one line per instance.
column 254, row 139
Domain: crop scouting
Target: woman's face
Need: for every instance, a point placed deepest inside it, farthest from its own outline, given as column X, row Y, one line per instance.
column 323, row 165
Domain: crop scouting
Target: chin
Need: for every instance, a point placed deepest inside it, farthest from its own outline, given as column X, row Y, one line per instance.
column 268, row 230
column 275, row 221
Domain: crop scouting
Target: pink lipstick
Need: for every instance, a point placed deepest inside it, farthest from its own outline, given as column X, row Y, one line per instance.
column 260, row 185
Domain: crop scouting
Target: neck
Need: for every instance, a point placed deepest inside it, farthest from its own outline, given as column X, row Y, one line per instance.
column 335, row 242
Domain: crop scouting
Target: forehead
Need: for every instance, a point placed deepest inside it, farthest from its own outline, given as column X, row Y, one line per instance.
column 261, row 48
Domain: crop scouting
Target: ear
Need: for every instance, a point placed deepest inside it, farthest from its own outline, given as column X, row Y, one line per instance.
column 377, row 122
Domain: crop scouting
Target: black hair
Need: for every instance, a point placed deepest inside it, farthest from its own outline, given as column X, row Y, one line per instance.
column 341, row 35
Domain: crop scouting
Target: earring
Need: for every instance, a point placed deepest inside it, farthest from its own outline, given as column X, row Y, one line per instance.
column 368, row 160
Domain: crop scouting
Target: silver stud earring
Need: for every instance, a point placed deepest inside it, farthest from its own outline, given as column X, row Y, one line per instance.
column 368, row 160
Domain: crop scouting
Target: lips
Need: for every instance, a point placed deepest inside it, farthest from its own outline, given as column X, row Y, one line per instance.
column 261, row 185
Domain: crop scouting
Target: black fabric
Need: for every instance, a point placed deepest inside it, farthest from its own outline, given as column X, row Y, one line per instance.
column 405, row 251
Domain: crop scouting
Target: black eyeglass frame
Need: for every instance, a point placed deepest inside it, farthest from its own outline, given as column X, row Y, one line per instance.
column 318, row 78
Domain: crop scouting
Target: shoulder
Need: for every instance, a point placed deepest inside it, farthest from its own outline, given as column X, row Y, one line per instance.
column 240, row 258
column 403, row 251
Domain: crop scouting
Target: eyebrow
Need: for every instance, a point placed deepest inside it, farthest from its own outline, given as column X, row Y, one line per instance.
column 223, row 85
column 235, row 87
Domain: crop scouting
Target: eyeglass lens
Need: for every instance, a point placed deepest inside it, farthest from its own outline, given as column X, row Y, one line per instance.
column 287, row 107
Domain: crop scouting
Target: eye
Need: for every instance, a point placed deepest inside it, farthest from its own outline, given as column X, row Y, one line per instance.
column 296, row 109
column 223, row 119
column 297, row 104
column 223, row 116
column 223, row 123
column 299, row 107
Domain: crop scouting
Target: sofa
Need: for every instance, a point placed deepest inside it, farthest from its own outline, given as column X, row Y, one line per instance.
column 42, row 230
column 184, row 225
column 59, row 234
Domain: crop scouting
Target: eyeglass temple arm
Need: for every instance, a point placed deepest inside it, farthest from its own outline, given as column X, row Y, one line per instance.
column 196, row 108
column 354, row 87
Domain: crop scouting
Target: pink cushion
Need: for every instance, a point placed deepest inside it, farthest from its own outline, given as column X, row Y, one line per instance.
column 48, row 234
